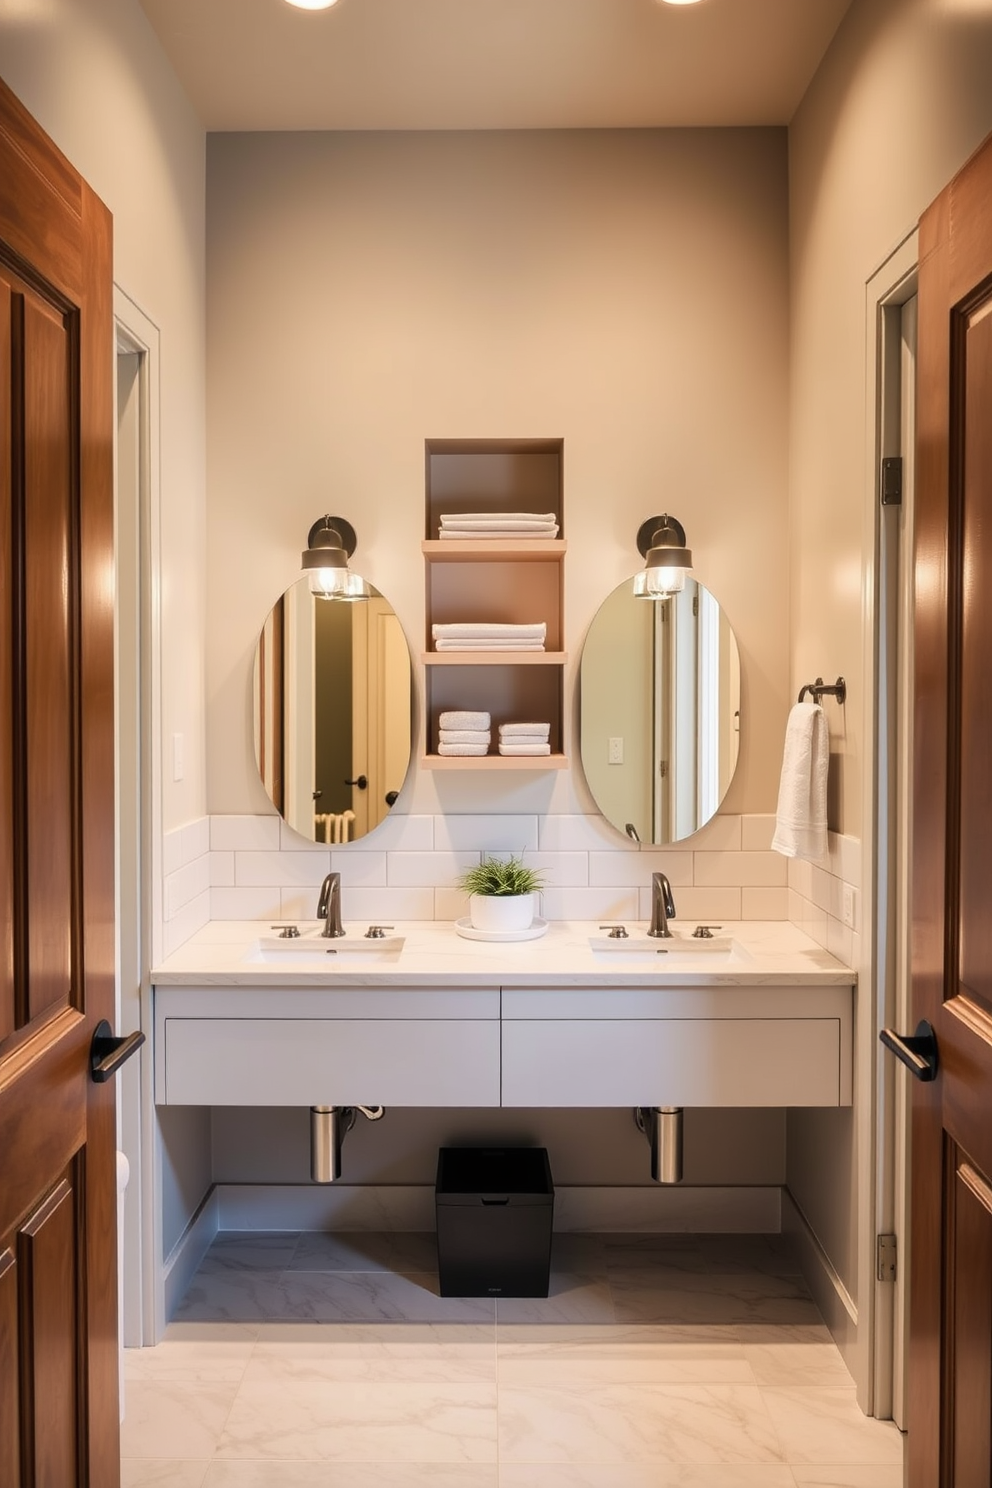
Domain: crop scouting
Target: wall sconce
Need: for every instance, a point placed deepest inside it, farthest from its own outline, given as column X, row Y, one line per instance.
column 661, row 543
column 330, row 543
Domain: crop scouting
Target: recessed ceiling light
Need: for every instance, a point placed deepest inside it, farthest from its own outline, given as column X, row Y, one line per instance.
column 666, row 2
column 326, row 4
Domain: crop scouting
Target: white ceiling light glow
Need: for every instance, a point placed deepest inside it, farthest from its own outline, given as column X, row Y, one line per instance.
column 326, row 4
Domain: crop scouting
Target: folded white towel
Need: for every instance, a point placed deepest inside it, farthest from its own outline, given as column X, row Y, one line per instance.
column 464, row 736
column 485, row 645
column 457, row 519
column 463, row 749
column 488, row 630
column 801, row 818
column 464, row 720
column 525, row 749
column 527, row 730
column 465, row 533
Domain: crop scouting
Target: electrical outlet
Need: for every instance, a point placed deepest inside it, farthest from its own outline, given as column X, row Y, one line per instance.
column 848, row 905
column 615, row 752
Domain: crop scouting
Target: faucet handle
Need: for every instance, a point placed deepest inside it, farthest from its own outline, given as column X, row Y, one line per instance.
column 617, row 932
column 377, row 932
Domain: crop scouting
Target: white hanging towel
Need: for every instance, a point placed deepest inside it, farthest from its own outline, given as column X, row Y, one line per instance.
column 801, row 818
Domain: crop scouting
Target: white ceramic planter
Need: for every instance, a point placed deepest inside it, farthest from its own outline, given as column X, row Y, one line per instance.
column 502, row 911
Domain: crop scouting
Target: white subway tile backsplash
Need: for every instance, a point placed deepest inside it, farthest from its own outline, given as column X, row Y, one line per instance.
column 632, row 870
column 221, row 870
column 488, row 834
column 172, row 852
column 398, row 834
column 561, row 870
column 245, row 833
column 190, row 918
column 840, row 941
column 280, row 869
column 699, row 906
column 844, row 858
column 245, row 904
column 293, row 841
column 186, row 884
column 764, row 904
column 450, row 904
column 568, row 833
column 367, row 869
column 757, row 833
column 424, row 870
column 297, row 904
column 196, row 839
column 590, row 904
column 720, row 834
column 386, row 906
column 728, row 869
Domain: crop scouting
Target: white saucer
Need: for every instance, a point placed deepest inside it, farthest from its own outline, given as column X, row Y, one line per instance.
column 534, row 931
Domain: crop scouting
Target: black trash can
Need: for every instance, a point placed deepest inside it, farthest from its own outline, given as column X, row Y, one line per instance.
column 494, row 1215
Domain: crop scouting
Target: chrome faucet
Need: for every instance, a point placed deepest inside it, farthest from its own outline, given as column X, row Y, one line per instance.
column 329, row 906
column 662, row 906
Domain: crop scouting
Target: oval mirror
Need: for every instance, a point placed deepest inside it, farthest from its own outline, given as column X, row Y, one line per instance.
column 659, row 717
column 331, row 693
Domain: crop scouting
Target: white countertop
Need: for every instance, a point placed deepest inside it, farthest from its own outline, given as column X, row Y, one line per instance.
column 767, row 953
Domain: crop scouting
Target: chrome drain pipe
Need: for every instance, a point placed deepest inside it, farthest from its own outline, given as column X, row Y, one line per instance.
column 662, row 1125
column 329, row 1125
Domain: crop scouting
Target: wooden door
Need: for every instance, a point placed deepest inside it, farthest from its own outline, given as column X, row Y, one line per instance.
column 58, row 1330
column 950, row 1366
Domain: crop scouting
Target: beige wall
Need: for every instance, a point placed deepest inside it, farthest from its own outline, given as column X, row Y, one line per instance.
column 623, row 290
column 93, row 75
column 901, row 100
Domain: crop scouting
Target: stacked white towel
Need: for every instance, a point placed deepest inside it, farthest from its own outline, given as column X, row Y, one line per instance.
column 498, row 525
column 524, row 738
column 464, row 733
column 487, row 636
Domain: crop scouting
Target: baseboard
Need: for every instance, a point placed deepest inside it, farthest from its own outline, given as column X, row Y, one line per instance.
column 244, row 1206
column 183, row 1260
column 839, row 1309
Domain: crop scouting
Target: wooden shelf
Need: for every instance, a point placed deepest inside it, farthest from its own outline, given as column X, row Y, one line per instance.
column 494, row 762
column 482, row 550
column 494, row 658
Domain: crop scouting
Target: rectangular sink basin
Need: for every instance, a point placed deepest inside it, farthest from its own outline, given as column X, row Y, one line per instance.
column 679, row 944
column 311, row 943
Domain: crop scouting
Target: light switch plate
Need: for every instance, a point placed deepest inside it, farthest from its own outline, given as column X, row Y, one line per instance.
column 615, row 752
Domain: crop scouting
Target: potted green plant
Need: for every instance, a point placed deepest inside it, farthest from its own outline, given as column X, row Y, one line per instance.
column 502, row 893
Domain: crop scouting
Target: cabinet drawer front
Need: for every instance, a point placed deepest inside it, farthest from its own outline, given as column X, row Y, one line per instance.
column 675, row 1062
column 304, row 1062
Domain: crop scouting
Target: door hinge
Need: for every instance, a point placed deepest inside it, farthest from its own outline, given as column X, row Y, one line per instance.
column 663, row 769
column 891, row 480
column 695, row 605
column 885, row 1251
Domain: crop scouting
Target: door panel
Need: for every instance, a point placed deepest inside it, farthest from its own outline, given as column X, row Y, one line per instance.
column 950, row 1364
column 58, row 1335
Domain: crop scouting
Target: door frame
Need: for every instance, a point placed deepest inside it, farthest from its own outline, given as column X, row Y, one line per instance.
column 889, row 288
column 139, row 818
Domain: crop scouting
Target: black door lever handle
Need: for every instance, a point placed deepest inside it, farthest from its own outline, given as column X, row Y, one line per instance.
column 108, row 1053
column 361, row 781
column 918, row 1053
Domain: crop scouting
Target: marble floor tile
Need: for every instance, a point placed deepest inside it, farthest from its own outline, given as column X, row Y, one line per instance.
column 162, row 1473
column 571, row 1355
column 637, row 1423
column 848, row 1477
column 643, row 1296
column 357, row 1422
column 706, row 1253
column 262, row 1251
column 347, row 1250
column 164, row 1416
column 798, row 1364
column 827, row 1426
column 570, row 1299
column 454, row 1353
column 220, row 1360
column 285, row 1474
column 641, row 1475
column 329, row 1296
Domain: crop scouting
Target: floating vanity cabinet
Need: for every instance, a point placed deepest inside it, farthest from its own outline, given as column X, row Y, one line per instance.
column 280, row 1046
column 677, row 1046
column 517, row 581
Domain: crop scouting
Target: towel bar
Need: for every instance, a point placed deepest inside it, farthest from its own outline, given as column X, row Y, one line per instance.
column 836, row 689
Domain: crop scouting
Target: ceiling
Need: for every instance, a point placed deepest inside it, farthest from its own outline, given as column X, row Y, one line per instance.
column 494, row 64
